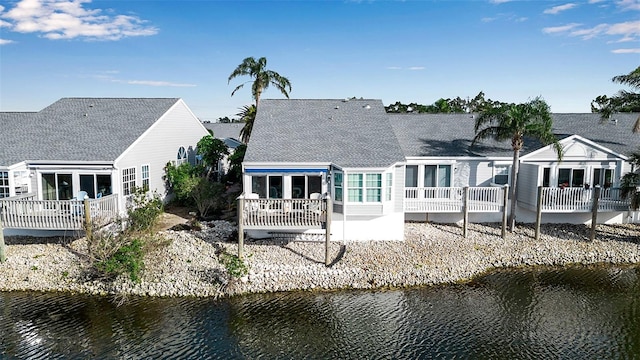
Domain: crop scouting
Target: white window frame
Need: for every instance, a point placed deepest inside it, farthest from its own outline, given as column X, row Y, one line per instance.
column 5, row 189
column 496, row 172
column 128, row 181
column 182, row 157
column 388, row 186
column 422, row 174
column 364, row 188
column 338, row 184
column 144, row 177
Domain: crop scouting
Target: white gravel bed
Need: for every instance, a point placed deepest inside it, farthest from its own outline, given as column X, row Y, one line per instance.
column 431, row 254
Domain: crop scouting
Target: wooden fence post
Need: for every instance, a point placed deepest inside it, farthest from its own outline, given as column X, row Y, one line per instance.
column 329, row 210
column 3, row 256
column 505, row 203
column 465, row 210
column 240, row 226
column 594, row 212
column 87, row 218
column 538, row 212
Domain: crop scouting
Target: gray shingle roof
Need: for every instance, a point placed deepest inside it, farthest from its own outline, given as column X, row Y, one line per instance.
column 451, row 134
column 345, row 133
column 225, row 130
column 79, row 129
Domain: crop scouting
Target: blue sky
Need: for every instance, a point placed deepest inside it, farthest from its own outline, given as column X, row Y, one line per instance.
column 408, row 51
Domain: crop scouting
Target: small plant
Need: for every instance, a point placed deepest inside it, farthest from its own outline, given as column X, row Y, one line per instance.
column 34, row 268
column 144, row 212
column 234, row 265
column 65, row 274
column 128, row 259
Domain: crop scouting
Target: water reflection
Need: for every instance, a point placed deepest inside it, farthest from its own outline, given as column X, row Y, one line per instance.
column 544, row 313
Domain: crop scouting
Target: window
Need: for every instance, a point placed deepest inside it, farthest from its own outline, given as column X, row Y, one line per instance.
column 4, row 184
column 272, row 191
column 501, row 174
column 128, row 181
column 21, row 181
column 411, row 176
column 546, row 177
column 302, row 186
column 144, row 176
column 603, row 177
column 570, row 177
column 354, row 187
column 437, row 175
column 337, row 183
column 182, row 156
column 104, row 184
column 389, row 188
column 374, row 187
column 364, row 187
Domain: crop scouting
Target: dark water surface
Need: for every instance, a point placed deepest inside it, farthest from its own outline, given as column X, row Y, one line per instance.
column 574, row 313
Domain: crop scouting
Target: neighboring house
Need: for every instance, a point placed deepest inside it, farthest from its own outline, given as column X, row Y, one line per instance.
column 102, row 146
column 382, row 169
column 230, row 134
column 344, row 148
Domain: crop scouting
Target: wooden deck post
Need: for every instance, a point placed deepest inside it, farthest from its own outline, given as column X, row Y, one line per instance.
column 3, row 256
column 465, row 210
column 594, row 212
column 505, row 203
column 329, row 210
column 240, row 226
column 87, row 218
column 538, row 212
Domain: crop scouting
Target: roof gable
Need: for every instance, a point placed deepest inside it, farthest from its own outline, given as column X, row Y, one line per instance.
column 80, row 129
column 575, row 147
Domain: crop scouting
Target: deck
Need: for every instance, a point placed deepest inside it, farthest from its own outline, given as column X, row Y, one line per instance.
column 578, row 199
column 451, row 199
column 284, row 214
column 26, row 212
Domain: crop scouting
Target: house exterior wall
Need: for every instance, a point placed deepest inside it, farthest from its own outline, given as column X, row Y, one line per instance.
column 178, row 127
column 398, row 188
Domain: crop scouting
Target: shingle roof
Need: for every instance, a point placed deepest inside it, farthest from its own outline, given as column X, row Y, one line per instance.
column 451, row 134
column 225, row 130
column 354, row 133
column 79, row 129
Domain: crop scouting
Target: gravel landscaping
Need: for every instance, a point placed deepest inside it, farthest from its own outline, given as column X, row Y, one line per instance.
column 431, row 254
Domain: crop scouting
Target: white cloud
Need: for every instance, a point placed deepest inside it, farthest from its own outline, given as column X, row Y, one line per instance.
column 629, row 4
column 626, row 51
column 5, row 41
column 595, row 1
column 69, row 19
column 499, row 1
column 560, row 29
column 560, row 8
column 416, row 68
column 394, row 68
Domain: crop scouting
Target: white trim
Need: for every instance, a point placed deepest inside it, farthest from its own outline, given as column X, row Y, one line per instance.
column 566, row 141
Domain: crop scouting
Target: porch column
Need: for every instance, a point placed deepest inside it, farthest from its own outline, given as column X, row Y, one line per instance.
column 329, row 210
column 3, row 256
column 594, row 212
column 240, row 226
column 538, row 212
column 465, row 210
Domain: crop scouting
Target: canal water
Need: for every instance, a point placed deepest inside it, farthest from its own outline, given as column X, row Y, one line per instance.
column 550, row 313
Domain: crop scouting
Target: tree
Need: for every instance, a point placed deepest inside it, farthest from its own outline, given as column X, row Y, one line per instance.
column 247, row 115
column 261, row 78
column 623, row 101
column 212, row 151
column 630, row 183
column 515, row 122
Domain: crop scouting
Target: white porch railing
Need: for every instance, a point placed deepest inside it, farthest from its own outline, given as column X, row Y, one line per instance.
column 284, row 213
column 25, row 212
column 451, row 199
column 578, row 199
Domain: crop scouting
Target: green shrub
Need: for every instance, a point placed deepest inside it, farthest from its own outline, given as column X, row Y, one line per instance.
column 128, row 259
column 234, row 265
column 144, row 212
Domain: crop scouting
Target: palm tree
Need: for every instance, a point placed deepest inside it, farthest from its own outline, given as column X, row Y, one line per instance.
column 247, row 115
column 624, row 101
column 514, row 122
column 261, row 78
column 630, row 183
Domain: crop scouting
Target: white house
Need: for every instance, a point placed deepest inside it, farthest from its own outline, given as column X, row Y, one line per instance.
column 102, row 146
column 382, row 169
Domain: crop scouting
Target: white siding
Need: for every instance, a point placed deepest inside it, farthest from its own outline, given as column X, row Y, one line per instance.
column 398, row 189
column 159, row 145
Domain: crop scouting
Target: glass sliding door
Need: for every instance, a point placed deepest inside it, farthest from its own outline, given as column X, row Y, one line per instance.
column 87, row 183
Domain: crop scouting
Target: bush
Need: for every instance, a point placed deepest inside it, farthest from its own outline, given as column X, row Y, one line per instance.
column 144, row 211
column 234, row 265
column 178, row 179
column 128, row 259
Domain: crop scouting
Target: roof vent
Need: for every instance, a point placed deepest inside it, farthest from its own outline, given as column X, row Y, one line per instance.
column 90, row 105
column 345, row 100
column 337, row 107
column 85, row 114
column 367, row 106
column 614, row 121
